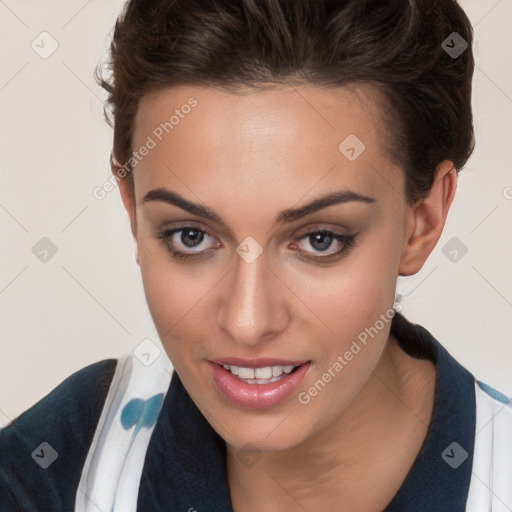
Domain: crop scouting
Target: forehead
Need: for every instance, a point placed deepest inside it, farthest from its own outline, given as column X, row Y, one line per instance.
column 294, row 138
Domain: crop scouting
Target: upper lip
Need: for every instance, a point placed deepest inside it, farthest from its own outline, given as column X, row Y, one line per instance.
column 257, row 363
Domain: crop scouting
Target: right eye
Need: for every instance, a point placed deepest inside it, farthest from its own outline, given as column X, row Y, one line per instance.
column 185, row 237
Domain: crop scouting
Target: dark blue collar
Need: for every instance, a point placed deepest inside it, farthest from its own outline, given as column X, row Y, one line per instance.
column 185, row 464
column 439, row 478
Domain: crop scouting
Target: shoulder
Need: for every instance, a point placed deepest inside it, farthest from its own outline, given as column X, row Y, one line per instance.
column 492, row 460
column 493, row 417
column 48, row 443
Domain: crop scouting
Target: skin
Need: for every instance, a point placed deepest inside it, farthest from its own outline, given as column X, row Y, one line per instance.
column 247, row 157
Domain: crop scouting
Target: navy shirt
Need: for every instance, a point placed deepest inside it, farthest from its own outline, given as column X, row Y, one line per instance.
column 185, row 464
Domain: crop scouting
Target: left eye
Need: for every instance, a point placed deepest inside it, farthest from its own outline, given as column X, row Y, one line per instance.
column 322, row 240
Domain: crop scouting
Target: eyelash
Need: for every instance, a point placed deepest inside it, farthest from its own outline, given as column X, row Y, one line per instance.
column 347, row 241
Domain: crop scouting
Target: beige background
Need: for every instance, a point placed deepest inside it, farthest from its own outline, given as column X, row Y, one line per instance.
column 87, row 303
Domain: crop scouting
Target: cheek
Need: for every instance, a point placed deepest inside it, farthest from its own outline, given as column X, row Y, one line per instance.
column 351, row 295
column 359, row 313
column 175, row 295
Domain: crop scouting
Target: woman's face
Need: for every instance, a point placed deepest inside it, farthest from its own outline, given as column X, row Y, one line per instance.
column 256, row 291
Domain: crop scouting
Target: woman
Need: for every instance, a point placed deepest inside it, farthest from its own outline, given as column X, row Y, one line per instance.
column 281, row 163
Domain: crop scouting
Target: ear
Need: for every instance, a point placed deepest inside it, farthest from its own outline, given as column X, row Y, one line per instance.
column 127, row 196
column 426, row 219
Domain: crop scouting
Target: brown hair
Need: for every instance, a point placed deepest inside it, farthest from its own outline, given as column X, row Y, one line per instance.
column 395, row 45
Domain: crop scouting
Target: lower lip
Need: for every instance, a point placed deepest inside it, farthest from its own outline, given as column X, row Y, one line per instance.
column 257, row 396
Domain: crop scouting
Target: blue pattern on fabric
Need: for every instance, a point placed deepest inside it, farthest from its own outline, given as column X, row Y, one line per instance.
column 494, row 393
column 142, row 413
column 131, row 413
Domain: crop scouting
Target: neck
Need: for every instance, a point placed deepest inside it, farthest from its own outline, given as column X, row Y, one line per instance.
column 360, row 460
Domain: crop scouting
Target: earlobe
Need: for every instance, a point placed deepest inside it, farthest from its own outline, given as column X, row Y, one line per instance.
column 426, row 220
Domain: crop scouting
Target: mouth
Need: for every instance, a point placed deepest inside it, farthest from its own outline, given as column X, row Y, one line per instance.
column 257, row 384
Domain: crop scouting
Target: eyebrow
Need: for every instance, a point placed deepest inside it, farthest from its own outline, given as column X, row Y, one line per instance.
column 285, row 216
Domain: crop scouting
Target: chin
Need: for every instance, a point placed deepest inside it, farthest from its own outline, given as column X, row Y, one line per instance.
column 260, row 431
column 259, row 440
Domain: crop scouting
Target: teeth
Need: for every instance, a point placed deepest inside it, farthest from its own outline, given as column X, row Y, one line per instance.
column 276, row 371
column 263, row 373
column 259, row 375
column 246, row 373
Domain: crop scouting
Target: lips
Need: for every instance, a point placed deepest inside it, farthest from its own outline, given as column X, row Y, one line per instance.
column 257, row 383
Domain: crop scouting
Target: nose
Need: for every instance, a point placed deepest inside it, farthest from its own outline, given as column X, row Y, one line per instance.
column 253, row 309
